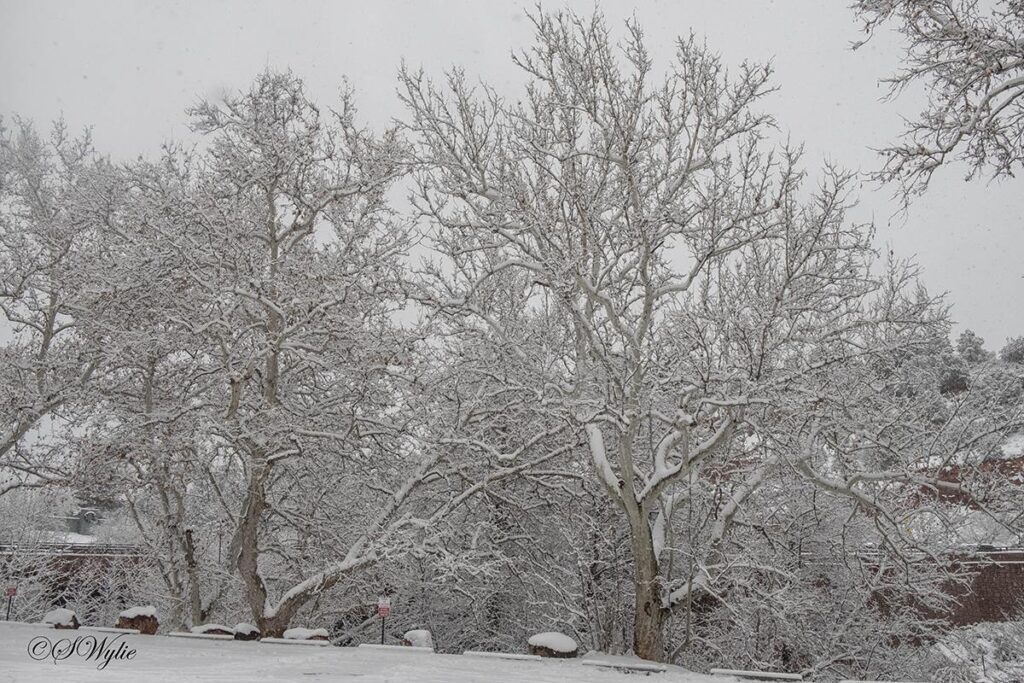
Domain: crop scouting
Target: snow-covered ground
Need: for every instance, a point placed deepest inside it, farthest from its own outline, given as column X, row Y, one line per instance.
column 190, row 659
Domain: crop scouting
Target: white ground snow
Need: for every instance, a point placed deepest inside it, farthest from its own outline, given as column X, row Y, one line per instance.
column 230, row 661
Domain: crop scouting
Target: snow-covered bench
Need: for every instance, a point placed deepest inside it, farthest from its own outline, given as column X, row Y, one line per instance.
column 111, row 629
column 213, row 630
column 759, row 675
column 200, row 636
column 501, row 655
column 302, row 636
column 623, row 664
column 292, row 641
column 651, row 668
column 399, row 648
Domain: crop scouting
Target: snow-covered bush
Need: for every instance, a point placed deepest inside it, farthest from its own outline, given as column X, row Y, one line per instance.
column 245, row 631
column 990, row 652
column 61, row 618
column 1013, row 351
column 418, row 637
column 552, row 644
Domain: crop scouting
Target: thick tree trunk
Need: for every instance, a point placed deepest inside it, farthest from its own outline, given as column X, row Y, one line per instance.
column 648, row 612
column 245, row 543
column 195, row 602
column 275, row 626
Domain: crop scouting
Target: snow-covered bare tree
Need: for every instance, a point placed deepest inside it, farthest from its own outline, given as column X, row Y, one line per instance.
column 142, row 441
column 283, row 275
column 688, row 288
column 242, row 299
column 969, row 57
column 44, row 186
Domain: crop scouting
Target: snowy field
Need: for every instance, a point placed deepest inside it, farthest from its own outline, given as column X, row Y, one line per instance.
column 194, row 659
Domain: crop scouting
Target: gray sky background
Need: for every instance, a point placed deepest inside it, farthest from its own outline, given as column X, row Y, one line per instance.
column 129, row 69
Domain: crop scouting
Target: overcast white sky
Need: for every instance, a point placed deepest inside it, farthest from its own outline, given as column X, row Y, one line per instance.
column 129, row 69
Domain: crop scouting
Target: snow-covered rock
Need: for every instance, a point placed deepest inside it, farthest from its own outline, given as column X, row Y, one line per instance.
column 552, row 644
column 61, row 618
column 306, row 634
column 135, row 612
column 213, row 629
column 418, row 638
column 245, row 631
column 143, row 619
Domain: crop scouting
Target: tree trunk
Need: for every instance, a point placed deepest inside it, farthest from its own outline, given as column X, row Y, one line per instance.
column 195, row 603
column 244, row 545
column 648, row 611
column 273, row 627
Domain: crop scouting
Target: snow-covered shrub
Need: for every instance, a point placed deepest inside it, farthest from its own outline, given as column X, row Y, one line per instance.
column 418, row 637
column 991, row 651
column 1013, row 352
column 552, row 644
column 61, row 618
column 245, row 631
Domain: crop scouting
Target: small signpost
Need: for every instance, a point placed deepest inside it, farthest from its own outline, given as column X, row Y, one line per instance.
column 9, row 593
column 383, row 610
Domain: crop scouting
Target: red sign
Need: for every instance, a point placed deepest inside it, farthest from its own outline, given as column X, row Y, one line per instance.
column 383, row 607
column 10, row 591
